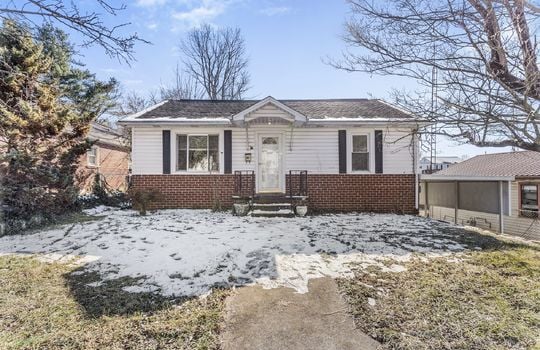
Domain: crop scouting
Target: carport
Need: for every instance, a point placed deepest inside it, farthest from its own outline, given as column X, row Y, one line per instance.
column 486, row 194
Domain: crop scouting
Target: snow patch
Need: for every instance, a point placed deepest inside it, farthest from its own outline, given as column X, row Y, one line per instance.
column 189, row 252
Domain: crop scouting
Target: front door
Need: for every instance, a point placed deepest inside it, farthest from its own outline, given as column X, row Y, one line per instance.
column 269, row 163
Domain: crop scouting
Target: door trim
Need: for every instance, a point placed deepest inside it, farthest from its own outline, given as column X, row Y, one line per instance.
column 281, row 172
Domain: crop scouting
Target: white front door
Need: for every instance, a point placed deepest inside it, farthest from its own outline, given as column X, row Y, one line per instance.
column 269, row 163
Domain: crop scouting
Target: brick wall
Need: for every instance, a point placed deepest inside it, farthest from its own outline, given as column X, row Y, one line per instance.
column 338, row 192
column 113, row 166
column 187, row 191
column 382, row 193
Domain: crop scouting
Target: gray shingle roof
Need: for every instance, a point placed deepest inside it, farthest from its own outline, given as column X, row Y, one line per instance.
column 315, row 109
column 519, row 164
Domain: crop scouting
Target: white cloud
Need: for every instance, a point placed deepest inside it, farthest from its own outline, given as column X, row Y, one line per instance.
column 273, row 11
column 201, row 12
column 152, row 26
column 150, row 3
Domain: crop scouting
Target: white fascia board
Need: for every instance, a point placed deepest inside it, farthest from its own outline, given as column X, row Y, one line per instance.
column 269, row 99
column 364, row 121
column 465, row 178
column 178, row 121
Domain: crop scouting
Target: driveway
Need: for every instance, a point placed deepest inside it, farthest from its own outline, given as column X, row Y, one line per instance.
column 187, row 252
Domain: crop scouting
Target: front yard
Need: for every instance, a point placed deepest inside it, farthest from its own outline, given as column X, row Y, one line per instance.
column 160, row 281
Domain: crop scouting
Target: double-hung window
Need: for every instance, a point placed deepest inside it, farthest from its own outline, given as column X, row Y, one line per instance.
column 529, row 200
column 360, row 153
column 197, row 153
column 92, row 157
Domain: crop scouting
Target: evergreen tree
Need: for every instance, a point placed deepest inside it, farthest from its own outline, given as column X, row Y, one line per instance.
column 47, row 102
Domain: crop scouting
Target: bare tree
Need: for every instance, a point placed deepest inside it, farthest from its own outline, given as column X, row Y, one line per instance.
column 477, row 58
column 215, row 59
column 67, row 14
column 182, row 88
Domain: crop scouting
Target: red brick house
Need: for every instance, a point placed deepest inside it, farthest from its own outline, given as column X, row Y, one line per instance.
column 339, row 154
column 108, row 157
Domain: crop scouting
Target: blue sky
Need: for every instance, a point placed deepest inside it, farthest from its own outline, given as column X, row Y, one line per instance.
column 287, row 42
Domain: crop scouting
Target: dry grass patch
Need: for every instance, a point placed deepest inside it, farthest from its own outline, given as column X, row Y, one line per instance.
column 45, row 306
column 485, row 300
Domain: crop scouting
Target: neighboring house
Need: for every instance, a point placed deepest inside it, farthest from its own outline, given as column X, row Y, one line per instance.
column 440, row 163
column 343, row 154
column 493, row 191
column 109, row 156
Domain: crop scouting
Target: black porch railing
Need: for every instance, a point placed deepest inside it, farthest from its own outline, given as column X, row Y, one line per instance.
column 244, row 183
column 297, row 184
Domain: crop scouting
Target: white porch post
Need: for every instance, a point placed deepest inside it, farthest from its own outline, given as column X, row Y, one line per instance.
column 501, row 207
column 456, row 201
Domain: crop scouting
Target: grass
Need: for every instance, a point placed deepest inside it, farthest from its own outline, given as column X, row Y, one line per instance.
column 486, row 300
column 47, row 306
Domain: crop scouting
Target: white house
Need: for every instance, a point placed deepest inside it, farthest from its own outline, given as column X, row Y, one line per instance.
column 342, row 154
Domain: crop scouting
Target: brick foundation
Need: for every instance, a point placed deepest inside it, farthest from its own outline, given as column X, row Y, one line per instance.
column 382, row 193
column 187, row 191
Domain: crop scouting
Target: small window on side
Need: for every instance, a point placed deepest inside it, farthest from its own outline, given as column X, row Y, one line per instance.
column 91, row 157
column 529, row 200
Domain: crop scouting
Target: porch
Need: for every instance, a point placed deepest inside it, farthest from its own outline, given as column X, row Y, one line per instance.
column 247, row 201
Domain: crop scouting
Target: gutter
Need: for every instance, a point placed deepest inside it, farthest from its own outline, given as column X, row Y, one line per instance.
column 176, row 121
column 434, row 178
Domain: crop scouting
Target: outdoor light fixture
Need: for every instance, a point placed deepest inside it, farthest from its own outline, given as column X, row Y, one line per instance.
column 247, row 157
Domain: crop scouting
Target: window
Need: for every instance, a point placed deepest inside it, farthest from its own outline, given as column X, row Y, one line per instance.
column 360, row 153
column 529, row 200
column 92, row 157
column 197, row 152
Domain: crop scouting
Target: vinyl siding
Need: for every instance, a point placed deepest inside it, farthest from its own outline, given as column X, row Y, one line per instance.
column 312, row 149
column 146, row 151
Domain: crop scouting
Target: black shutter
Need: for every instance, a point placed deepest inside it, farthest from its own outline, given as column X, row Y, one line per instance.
column 342, row 147
column 227, row 151
column 166, row 151
column 378, row 151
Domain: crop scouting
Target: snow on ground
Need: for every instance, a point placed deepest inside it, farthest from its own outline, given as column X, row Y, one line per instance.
column 187, row 252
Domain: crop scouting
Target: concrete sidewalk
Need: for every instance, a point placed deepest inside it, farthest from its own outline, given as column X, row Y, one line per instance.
column 283, row 319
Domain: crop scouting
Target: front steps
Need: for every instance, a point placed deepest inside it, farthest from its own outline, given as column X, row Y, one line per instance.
column 273, row 205
column 272, row 210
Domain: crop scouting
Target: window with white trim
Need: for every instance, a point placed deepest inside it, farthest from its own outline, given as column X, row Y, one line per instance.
column 529, row 200
column 92, row 157
column 197, row 153
column 360, row 153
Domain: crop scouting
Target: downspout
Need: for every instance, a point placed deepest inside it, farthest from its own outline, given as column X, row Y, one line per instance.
column 415, row 171
column 291, row 137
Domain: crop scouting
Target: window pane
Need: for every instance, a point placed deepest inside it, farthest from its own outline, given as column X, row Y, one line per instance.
column 92, row 156
column 213, row 142
column 270, row 141
column 214, row 160
column 360, row 161
column 181, row 141
column 360, row 143
column 181, row 161
column 198, row 160
column 529, row 200
column 198, row 142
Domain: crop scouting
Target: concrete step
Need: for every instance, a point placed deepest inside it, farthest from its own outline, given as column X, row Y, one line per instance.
column 271, row 206
column 281, row 213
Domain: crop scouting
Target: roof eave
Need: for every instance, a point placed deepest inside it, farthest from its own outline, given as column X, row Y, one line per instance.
column 436, row 177
column 175, row 121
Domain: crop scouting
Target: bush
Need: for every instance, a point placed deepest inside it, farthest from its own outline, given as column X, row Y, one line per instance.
column 141, row 199
column 103, row 195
